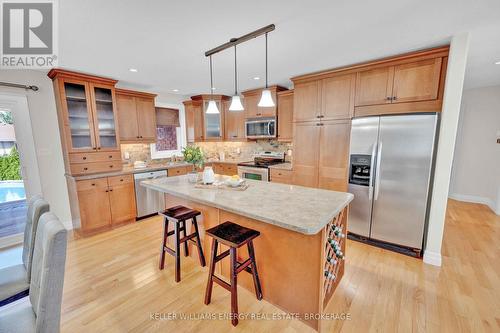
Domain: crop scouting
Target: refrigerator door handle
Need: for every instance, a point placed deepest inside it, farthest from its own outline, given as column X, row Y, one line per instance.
column 372, row 162
column 377, row 170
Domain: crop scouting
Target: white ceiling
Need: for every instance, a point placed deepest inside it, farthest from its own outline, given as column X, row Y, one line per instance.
column 166, row 40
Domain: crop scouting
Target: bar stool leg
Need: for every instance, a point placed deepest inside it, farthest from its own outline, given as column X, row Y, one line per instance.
column 256, row 281
column 164, row 243
column 210, row 282
column 183, row 234
column 234, row 285
column 177, row 253
column 198, row 241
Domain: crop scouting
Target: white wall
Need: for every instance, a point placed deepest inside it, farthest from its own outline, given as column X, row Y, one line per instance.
column 45, row 130
column 476, row 164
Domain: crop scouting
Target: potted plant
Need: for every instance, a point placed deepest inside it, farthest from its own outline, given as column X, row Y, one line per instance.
column 194, row 155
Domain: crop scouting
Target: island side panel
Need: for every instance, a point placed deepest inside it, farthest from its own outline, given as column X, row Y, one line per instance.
column 288, row 263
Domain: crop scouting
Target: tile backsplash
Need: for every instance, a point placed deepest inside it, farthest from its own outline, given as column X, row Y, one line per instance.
column 142, row 152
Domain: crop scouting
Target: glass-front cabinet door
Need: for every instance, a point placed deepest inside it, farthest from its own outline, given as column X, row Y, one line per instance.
column 213, row 122
column 104, row 118
column 80, row 121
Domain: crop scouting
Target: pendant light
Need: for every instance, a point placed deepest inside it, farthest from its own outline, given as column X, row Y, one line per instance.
column 266, row 100
column 212, row 105
column 235, row 100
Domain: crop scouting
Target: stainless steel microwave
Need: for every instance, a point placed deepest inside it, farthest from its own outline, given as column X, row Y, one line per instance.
column 258, row 128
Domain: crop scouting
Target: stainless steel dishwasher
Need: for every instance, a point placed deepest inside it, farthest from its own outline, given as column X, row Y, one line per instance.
column 148, row 202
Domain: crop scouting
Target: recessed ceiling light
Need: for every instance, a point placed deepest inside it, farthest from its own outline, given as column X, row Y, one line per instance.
column 175, row 90
column 213, row 88
column 133, row 70
column 256, row 78
column 497, row 63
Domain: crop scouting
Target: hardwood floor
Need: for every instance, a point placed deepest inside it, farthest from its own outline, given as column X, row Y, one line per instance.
column 113, row 284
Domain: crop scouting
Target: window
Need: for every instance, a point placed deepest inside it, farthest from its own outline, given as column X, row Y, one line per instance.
column 170, row 131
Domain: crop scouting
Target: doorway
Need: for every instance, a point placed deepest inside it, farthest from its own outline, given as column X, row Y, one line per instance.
column 19, row 176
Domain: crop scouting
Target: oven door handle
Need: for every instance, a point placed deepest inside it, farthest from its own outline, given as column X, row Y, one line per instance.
column 268, row 124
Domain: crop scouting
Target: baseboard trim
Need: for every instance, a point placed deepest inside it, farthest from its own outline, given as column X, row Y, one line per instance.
column 432, row 258
column 475, row 199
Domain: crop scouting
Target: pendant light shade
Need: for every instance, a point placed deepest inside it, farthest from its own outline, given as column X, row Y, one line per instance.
column 236, row 99
column 266, row 99
column 236, row 104
column 212, row 106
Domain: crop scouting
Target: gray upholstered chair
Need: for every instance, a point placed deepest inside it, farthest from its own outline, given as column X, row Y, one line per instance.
column 14, row 280
column 42, row 313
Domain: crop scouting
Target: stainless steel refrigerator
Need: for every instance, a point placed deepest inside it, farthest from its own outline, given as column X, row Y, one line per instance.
column 391, row 161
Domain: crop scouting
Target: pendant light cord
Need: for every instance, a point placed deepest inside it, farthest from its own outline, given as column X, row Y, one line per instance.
column 235, row 74
column 211, row 80
column 266, row 61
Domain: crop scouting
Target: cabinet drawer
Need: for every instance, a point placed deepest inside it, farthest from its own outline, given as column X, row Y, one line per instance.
column 230, row 169
column 89, row 168
column 281, row 176
column 177, row 171
column 91, row 184
column 120, row 180
column 94, row 157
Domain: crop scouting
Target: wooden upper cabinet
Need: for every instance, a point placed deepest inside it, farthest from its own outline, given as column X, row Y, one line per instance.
column 408, row 82
column 285, row 115
column 251, row 100
column 136, row 116
column 306, row 153
column 234, row 124
column 129, row 130
column 334, row 155
column 194, row 121
column 306, row 101
column 416, row 81
column 210, row 125
column 250, row 104
column 146, row 118
column 374, row 86
column 338, row 97
column 86, row 107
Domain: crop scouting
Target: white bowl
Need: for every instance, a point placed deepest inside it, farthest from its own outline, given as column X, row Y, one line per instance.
column 234, row 182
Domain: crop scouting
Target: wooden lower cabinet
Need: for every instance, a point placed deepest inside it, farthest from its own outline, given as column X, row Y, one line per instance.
column 306, row 154
column 93, row 199
column 227, row 169
column 105, row 202
column 122, row 199
column 321, row 154
column 334, row 155
column 281, row 176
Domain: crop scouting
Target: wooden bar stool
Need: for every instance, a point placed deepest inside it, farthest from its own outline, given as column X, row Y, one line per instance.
column 234, row 236
column 179, row 215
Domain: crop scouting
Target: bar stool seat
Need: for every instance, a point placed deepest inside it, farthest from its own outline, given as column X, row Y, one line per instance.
column 178, row 215
column 234, row 236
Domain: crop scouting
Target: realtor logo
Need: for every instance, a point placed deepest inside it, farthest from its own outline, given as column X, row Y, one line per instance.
column 28, row 34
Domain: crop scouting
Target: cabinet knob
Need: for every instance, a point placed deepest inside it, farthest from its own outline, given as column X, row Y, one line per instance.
column 110, row 156
column 93, row 184
column 394, row 98
column 98, row 148
column 107, row 190
column 84, row 157
column 388, row 98
column 121, row 180
column 110, row 166
column 85, row 169
column 111, row 190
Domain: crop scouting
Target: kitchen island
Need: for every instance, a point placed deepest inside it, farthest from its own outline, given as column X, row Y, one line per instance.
column 299, row 269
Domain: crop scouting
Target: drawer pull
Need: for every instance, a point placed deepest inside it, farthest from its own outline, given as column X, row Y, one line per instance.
column 93, row 184
column 121, row 180
column 84, row 157
column 110, row 156
column 85, row 169
column 110, row 166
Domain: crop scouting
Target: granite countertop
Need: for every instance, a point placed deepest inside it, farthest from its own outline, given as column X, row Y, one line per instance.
column 282, row 166
column 126, row 170
column 300, row 209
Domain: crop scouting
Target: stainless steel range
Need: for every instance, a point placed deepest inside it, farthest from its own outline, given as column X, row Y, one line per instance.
column 259, row 168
